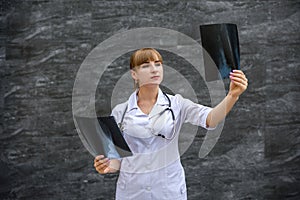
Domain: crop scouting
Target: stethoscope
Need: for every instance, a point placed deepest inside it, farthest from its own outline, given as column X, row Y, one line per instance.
column 121, row 124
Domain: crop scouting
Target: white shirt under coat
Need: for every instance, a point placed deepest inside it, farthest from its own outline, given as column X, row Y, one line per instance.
column 155, row 171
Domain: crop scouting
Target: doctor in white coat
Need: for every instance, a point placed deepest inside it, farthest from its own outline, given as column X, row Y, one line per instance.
column 151, row 122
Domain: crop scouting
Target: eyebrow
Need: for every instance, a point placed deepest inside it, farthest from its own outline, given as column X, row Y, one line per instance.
column 156, row 61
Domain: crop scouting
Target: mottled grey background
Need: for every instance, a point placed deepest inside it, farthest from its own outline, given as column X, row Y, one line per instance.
column 43, row 44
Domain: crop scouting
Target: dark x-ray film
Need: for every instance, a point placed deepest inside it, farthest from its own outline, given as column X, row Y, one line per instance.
column 221, row 52
column 102, row 136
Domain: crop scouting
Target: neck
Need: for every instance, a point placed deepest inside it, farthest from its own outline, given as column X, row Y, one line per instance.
column 148, row 93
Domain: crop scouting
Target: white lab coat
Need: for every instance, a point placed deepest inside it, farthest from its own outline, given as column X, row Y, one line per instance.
column 155, row 171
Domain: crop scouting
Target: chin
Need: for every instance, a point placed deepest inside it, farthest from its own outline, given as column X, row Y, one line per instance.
column 151, row 85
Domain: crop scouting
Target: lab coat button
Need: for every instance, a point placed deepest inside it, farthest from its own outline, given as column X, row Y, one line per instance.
column 122, row 186
column 183, row 189
column 148, row 188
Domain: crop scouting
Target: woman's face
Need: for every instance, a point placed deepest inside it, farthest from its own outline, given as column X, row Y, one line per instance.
column 149, row 73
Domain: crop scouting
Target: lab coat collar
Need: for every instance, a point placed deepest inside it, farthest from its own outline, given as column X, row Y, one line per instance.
column 132, row 101
column 161, row 99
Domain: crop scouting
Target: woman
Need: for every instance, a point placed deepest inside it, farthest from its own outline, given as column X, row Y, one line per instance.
column 151, row 123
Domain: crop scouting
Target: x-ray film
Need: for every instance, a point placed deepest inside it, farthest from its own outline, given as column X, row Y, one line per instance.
column 221, row 52
column 102, row 136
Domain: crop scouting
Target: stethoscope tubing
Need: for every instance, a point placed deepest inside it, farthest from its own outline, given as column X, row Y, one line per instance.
column 121, row 124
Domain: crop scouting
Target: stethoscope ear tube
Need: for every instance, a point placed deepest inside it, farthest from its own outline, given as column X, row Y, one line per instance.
column 170, row 109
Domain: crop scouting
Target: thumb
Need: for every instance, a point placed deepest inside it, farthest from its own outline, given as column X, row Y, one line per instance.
column 107, row 169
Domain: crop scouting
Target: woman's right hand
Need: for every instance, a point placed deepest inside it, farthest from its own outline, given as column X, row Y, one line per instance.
column 105, row 165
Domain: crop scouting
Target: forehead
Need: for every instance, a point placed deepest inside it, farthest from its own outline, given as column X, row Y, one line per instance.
column 146, row 56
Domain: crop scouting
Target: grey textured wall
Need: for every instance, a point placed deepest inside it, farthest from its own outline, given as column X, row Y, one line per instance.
column 43, row 44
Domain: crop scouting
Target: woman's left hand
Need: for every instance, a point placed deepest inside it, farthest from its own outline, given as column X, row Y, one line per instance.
column 238, row 83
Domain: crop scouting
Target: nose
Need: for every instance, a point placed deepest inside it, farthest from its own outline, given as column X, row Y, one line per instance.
column 153, row 68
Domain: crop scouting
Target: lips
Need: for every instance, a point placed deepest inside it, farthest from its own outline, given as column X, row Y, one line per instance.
column 155, row 77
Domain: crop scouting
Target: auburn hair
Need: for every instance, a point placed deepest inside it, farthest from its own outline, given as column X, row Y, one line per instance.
column 144, row 55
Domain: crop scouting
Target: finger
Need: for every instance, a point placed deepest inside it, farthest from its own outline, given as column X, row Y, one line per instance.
column 106, row 170
column 239, row 80
column 238, row 71
column 99, row 157
column 99, row 162
column 238, row 75
column 241, row 76
column 241, row 85
column 101, row 168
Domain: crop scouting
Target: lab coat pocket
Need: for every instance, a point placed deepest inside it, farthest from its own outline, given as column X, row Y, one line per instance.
column 121, row 192
column 121, row 183
column 174, row 172
column 175, row 181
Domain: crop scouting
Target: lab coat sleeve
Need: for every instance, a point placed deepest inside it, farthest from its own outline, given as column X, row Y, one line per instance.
column 193, row 113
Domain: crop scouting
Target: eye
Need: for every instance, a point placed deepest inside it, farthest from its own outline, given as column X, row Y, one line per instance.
column 145, row 66
column 157, row 64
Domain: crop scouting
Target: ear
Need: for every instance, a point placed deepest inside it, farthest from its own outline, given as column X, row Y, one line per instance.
column 133, row 74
